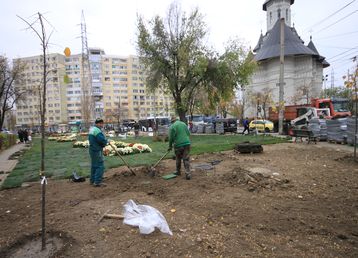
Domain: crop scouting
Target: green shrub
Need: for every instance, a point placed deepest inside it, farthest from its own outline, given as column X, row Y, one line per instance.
column 7, row 140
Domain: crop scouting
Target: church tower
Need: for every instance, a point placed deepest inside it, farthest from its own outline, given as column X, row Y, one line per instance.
column 303, row 63
column 277, row 9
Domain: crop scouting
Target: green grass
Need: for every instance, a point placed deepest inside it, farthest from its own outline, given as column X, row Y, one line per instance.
column 61, row 159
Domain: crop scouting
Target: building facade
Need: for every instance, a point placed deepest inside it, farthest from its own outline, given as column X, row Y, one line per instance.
column 107, row 86
column 303, row 65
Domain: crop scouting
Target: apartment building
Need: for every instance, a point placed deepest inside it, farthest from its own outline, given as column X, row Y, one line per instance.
column 114, row 87
column 28, row 110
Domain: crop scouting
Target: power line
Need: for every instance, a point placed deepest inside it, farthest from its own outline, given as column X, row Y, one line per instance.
column 337, row 21
column 329, row 16
column 338, row 35
column 343, row 52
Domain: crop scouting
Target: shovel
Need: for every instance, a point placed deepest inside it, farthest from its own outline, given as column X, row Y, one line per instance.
column 152, row 169
column 125, row 162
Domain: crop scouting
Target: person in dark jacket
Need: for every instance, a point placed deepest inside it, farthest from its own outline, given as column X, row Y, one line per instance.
column 246, row 123
column 97, row 142
column 179, row 137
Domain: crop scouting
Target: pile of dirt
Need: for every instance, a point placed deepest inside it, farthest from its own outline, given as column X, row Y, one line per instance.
column 254, row 181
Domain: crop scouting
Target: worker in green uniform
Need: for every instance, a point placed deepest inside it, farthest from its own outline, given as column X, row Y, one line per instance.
column 97, row 142
column 179, row 138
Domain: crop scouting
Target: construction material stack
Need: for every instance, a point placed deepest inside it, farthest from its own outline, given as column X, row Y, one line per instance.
column 350, row 130
column 337, row 130
column 318, row 128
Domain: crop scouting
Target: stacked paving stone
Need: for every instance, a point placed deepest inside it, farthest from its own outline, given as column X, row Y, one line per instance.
column 337, row 130
column 351, row 123
column 318, row 128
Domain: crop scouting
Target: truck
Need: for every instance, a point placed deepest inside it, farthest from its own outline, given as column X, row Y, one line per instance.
column 325, row 108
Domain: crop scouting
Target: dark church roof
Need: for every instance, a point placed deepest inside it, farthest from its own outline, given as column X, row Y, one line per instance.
column 270, row 48
column 259, row 43
column 264, row 7
column 320, row 58
column 312, row 46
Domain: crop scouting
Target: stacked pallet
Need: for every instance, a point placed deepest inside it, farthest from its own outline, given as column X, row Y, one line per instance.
column 351, row 123
column 337, row 130
column 219, row 128
column 318, row 128
column 209, row 128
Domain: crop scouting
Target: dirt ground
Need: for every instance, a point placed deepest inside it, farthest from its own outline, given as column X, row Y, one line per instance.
column 293, row 200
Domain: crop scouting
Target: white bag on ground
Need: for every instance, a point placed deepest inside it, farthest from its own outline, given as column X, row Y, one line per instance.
column 145, row 217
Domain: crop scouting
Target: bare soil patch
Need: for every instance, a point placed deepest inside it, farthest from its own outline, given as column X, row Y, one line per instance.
column 295, row 200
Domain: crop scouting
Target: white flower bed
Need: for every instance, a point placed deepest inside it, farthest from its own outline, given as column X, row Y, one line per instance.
column 122, row 147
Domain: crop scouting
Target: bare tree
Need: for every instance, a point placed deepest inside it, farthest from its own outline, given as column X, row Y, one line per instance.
column 9, row 94
column 303, row 94
column 44, row 42
column 262, row 100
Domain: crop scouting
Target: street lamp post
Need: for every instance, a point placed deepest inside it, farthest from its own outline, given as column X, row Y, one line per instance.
column 325, row 79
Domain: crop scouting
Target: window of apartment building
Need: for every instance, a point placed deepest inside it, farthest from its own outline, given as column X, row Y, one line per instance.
column 115, row 86
column 123, row 72
column 70, row 105
column 107, row 97
column 58, row 118
column 116, row 91
column 107, row 79
column 50, row 111
column 134, row 78
column 19, row 119
column 108, row 104
column 123, row 67
column 134, row 72
column 123, row 79
column 78, row 104
column 57, row 111
column 135, row 97
column 134, row 84
column 134, row 66
column 50, row 105
column 135, row 91
column 123, row 85
column 70, row 92
column 77, row 91
column 135, row 103
column 141, row 91
column 57, row 104
column 124, row 91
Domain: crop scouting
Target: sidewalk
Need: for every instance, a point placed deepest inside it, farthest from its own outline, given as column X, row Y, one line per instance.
column 6, row 165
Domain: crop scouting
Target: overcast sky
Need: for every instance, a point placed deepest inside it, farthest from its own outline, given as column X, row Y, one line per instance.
column 111, row 25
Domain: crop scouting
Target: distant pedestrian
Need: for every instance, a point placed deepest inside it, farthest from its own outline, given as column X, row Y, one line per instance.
column 246, row 123
column 21, row 135
column 97, row 142
column 179, row 137
column 136, row 129
column 26, row 135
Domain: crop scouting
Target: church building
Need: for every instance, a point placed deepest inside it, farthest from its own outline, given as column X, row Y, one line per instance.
column 303, row 65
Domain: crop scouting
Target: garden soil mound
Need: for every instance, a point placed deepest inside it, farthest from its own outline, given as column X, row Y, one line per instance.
column 294, row 200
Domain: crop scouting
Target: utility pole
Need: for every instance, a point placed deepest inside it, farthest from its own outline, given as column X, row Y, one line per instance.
column 87, row 107
column 281, row 105
column 332, row 80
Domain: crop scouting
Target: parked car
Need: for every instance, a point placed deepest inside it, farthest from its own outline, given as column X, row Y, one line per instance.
column 261, row 125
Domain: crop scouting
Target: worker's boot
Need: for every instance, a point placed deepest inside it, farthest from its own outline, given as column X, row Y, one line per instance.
column 177, row 173
column 187, row 176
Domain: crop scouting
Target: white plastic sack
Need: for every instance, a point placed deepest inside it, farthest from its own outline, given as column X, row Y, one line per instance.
column 145, row 217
